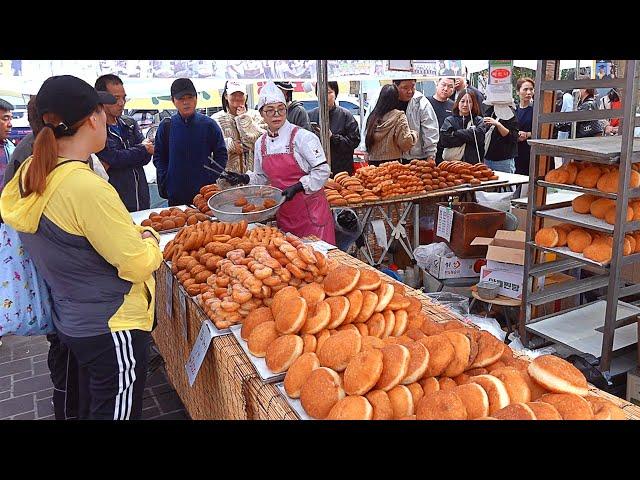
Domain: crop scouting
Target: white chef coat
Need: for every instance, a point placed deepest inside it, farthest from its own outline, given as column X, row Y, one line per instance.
column 308, row 153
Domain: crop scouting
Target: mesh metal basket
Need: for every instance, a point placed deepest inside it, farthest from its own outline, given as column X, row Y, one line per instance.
column 222, row 204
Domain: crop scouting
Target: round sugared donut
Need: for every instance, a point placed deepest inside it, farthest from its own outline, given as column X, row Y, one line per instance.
column 604, row 409
column 382, row 409
column 318, row 317
column 384, row 294
column 441, row 405
column 312, row 293
column 496, row 391
column 441, row 353
column 447, row 383
column 282, row 297
column 490, row 349
column 515, row 383
column 569, row 405
column 260, row 338
column 291, row 315
column 401, row 401
column 320, row 392
column 339, row 349
column 416, row 392
column 369, row 302
column 547, row 237
column 369, row 280
column 515, row 411
column 395, row 361
column 429, row 385
column 389, row 323
column 462, row 348
column 339, row 307
column 475, row 400
column 351, row 408
column 418, row 363
column 376, row 325
column 363, row 372
column 355, row 305
column 255, row 318
column 401, row 321
column 431, row 327
column 557, row 375
column 341, row 280
column 544, row 411
column 310, row 343
column 298, row 372
column 282, row 352
column 369, row 342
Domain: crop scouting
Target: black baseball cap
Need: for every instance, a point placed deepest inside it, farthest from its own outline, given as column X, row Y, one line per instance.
column 285, row 85
column 181, row 87
column 70, row 97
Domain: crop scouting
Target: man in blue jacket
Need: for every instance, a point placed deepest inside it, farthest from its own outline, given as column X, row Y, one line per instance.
column 183, row 145
column 126, row 152
column 6, row 146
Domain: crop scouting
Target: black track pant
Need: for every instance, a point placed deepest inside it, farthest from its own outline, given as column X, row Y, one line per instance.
column 112, row 373
column 64, row 376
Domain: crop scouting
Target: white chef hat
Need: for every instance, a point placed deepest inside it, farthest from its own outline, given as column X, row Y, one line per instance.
column 270, row 93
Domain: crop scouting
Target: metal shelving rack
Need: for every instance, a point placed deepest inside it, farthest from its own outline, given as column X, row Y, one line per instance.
column 599, row 327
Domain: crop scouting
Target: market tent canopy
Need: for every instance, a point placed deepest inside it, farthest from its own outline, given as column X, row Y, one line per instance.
column 479, row 65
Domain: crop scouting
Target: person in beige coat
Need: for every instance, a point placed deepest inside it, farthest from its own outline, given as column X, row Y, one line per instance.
column 388, row 134
column 240, row 127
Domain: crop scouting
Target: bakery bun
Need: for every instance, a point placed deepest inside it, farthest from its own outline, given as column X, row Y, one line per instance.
column 582, row 204
column 557, row 375
column 401, row 401
column 558, row 175
column 395, row 361
column 547, row 237
column 474, row 398
column 382, row 408
column 339, row 349
column 441, row 405
column 355, row 299
column 441, row 354
column 569, row 406
column 489, row 350
column 369, row 280
column 544, row 411
column 320, row 392
column 588, row 177
column 562, row 236
column 363, row 372
column 298, row 372
column 341, row 280
column 418, row 362
column 496, row 391
column 578, row 240
column 462, row 349
column 255, row 318
column 600, row 206
column 291, row 316
column 351, row 408
column 339, row 307
column 598, row 252
column 282, row 352
column 261, row 337
column 515, row 383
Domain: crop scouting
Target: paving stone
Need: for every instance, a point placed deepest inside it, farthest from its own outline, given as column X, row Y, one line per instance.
column 48, row 417
column 22, row 375
column 40, row 358
column 151, row 413
column 48, row 393
column 169, row 402
column 148, row 399
column 17, row 366
column 30, row 350
column 16, row 405
column 162, row 389
column 40, row 367
column 25, row 416
column 5, row 383
column 5, row 355
column 32, row 385
column 5, row 395
column 179, row 415
column 45, row 407
column 156, row 379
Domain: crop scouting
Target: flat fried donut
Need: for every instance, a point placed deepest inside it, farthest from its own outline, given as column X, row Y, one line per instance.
column 582, row 203
column 416, row 392
column 489, row 350
column 447, row 383
column 578, row 240
column 355, row 305
column 475, row 400
column 401, row 401
column 557, row 375
column 283, row 296
column 588, row 177
column 298, row 373
column 389, row 322
column 399, row 288
column 600, row 206
column 441, row 405
column 363, row 372
column 312, row 293
column 569, row 406
column 547, row 237
column 515, row 383
column 255, row 318
column 414, row 305
column 376, row 325
column 362, row 328
column 462, row 349
column 310, row 343
column 369, row 342
column 395, row 361
column 339, row 307
column 515, row 411
column 339, row 349
column 282, row 352
column 431, row 327
column 369, row 280
column 604, row 409
column 318, row 317
column 351, row 408
column 429, row 385
column 398, row 302
column 341, row 280
column 260, row 338
column 418, row 363
column 320, row 392
column 382, row 409
column 369, row 302
column 291, row 315
column 496, row 391
column 321, row 337
column 441, row 353
column 544, row 411
column 384, row 294
column 401, row 320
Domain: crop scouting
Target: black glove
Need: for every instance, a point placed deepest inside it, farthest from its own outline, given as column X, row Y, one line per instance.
column 291, row 191
column 236, row 178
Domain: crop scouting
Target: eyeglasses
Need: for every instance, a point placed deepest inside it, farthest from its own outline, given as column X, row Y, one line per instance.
column 121, row 99
column 272, row 111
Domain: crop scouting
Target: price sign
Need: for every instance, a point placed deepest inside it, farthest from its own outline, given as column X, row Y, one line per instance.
column 445, row 222
column 169, row 299
column 199, row 351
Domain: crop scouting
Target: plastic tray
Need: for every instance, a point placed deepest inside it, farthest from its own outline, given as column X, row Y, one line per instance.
column 260, row 364
column 294, row 403
column 223, row 208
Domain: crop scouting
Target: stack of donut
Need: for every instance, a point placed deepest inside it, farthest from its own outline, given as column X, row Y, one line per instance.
column 468, row 173
column 172, row 218
column 345, row 189
column 591, row 175
column 200, row 200
column 604, row 208
column 592, row 244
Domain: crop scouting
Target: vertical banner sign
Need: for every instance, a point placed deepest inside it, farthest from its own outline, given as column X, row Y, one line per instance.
column 500, row 81
column 199, row 351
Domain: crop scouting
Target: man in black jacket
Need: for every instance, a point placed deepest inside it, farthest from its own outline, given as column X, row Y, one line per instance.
column 126, row 152
column 296, row 113
column 344, row 134
column 442, row 105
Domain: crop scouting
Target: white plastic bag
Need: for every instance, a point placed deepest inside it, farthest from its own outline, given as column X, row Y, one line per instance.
column 424, row 254
column 489, row 324
column 517, row 346
column 496, row 200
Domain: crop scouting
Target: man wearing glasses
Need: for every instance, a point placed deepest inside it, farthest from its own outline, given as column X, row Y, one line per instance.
column 127, row 151
column 442, row 105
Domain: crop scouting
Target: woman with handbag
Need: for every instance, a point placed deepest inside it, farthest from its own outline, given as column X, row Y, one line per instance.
column 96, row 263
column 462, row 134
column 388, row 134
column 587, row 101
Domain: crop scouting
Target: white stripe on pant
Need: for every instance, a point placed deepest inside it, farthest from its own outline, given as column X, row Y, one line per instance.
column 126, row 374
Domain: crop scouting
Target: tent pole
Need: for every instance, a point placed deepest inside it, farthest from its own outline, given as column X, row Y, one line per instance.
column 323, row 108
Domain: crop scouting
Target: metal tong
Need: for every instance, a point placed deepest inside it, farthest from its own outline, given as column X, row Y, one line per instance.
column 222, row 173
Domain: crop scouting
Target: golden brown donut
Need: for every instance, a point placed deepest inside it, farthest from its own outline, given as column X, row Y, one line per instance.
column 255, row 318
column 318, row 317
column 355, row 305
column 395, row 361
column 363, row 372
column 362, row 328
column 369, row 342
column 515, row 383
column 351, row 408
column 382, row 409
column 578, row 240
column 415, row 306
column 547, row 237
column 604, row 409
column 441, row 405
column 321, row 337
column 401, row 401
column 312, row 293
column 341, row 280
column 608, row 182
column 490, row 349
column 515, row 411
column 416, row 392
column 598, row 252
column 496, row 391
column 261, row 337
column 569, row 405
column 320, row 392
column 447, row 383
column 441, row 354
column 384, row 294
column 291, row 315
column 310, row 343
column 634, row 179
column 401, row 321
column 557, row 375
column 339, row 349
column 588, row 177
column 389, row 323
column 282, row 352
column 414, row 334
column 544, row 411
column 600, row 206
column 418, row 363
column 462, row 349
column 282, row 297
column 339, row 307
column 431, row 327
column 369, row 280
column 582, row 204
column 369, row 302
column 562, row 236
column 557, row 175
column 474, row 398
column 429, row 385
column 398, row 302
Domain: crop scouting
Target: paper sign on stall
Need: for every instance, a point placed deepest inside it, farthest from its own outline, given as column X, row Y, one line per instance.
column 200, row 348
column 445, row 221
column 321, row 246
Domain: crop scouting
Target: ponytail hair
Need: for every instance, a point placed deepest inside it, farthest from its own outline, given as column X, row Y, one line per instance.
column 45, row 150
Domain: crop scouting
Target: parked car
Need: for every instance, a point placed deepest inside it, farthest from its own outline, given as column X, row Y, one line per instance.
column 351, row 105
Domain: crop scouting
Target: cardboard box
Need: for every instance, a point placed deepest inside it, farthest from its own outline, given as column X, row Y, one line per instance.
column 633, row 386
column 506, row 267
column 442, row 267
column 510, row 283
column 506, row 246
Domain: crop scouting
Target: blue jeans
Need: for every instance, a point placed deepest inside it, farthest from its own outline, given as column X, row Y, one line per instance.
column 507, row 166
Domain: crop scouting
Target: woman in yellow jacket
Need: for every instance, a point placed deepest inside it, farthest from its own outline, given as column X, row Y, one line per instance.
column 97, row 264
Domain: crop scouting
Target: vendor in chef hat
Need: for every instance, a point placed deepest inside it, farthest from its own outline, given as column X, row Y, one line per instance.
column 292, row 159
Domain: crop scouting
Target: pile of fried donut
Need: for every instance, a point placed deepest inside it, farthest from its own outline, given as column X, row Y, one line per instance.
column 200, row 200
column 172, row 218
column 592, row 175
column 344, row 189
column 357, row 348
column 251, row 207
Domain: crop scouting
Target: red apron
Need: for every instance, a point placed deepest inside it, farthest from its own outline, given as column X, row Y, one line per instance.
column 304, row 214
